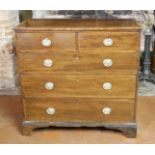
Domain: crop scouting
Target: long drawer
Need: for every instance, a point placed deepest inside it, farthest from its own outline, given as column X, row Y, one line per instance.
column 109, row 41
column 79, row 110
column 46, row 40
column 51, row 85
column 83, row 61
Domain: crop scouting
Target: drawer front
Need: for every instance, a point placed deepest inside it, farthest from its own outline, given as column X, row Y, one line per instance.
column 71, row 61
column 48, row 40
column 109, row 41
column 79, row 110
column 98, row 61
column 53, row 85
column 54, row 61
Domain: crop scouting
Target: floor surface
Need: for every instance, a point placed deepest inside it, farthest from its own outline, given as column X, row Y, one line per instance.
column 11, row 116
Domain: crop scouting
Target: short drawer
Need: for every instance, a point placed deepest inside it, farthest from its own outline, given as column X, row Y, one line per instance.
column 99, row 61
column 53, row 61
column 46, row 40
column 79, row 110
column 109, row 41
column 53, row 85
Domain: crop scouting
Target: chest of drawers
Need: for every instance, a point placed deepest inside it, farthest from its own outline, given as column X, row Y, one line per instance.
column 77, row 73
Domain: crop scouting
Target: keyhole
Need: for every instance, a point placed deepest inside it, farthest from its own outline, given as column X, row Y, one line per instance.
column 77, row 58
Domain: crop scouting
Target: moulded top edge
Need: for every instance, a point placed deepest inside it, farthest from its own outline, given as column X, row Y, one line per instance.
column 77, row 24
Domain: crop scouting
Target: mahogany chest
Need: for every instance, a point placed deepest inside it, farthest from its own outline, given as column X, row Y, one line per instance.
column 76, row 73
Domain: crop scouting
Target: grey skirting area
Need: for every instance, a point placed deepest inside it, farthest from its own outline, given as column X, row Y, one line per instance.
column 144, row 89
column 10, row 91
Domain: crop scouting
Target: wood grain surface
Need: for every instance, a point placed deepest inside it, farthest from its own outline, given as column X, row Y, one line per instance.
column 79, row 110
column 33, row 85
column 121, row 40
column 78, row 25
column 74, row 61
column 33, row 41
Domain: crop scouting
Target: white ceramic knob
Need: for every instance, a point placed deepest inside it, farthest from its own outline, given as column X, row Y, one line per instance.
column 48, row 63
column 46, row 42
column 107, row 62
column 107, row 86
column 50, row 111
column 106, row 111
column 49, row 85
column 107, row 42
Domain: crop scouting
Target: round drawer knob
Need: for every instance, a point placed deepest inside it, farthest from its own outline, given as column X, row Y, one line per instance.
column 106, row 111
column 46, row 42
column 49, row 85
column 107, row 42
column 107, row 86
column 50, row 111
column 107, row 62
column 48, row 63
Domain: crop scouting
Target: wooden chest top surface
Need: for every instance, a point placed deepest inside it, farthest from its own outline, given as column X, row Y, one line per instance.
column 78, row 24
